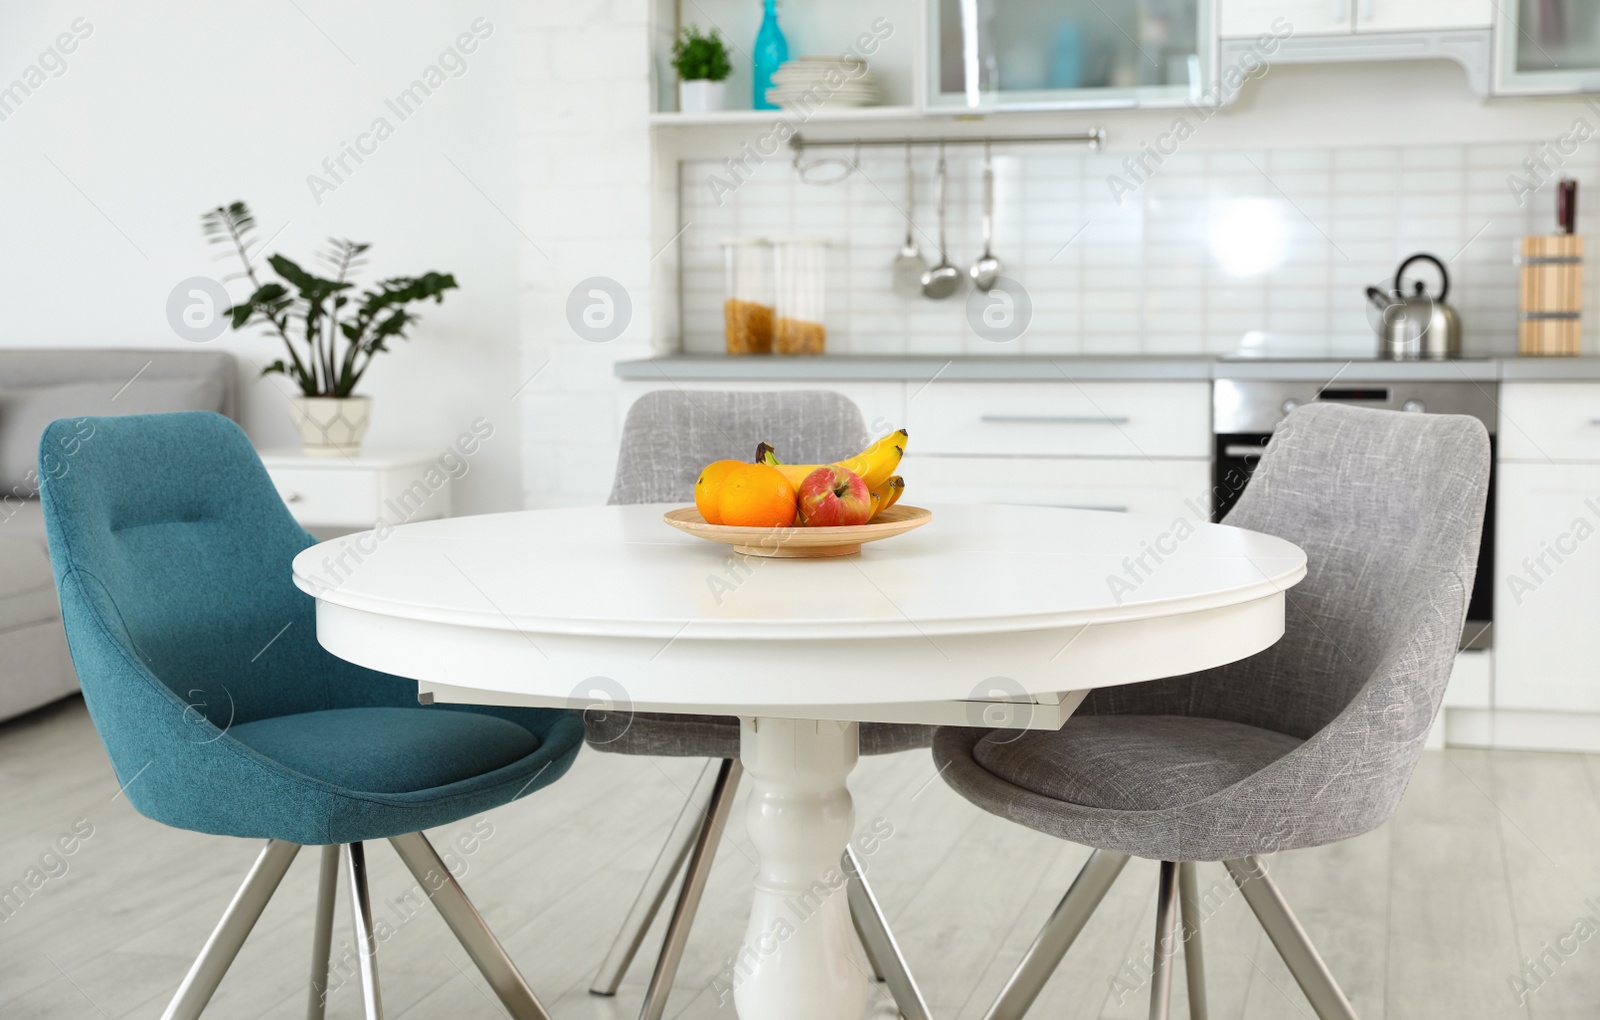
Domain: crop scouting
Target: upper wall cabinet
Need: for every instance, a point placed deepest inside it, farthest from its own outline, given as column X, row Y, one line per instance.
column 1421, row 15
column 1548, row 47
column 1068, row 54
column 1241, row 18
column 1323, row 31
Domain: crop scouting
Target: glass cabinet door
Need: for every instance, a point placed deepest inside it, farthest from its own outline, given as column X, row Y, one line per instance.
column 1061, row 54
column 1548, row 46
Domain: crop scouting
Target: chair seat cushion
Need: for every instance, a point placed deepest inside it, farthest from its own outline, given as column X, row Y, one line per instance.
column 716, row 736
column 388, row 750
column 347, row 774
column 1132, row 763
column 1145, row 785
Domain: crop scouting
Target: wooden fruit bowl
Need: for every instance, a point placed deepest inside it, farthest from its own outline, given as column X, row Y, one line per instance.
column 799, row 542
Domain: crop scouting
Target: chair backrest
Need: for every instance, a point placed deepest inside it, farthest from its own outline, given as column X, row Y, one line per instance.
column 670, row 435
column 171, row 550
column 1389, row 510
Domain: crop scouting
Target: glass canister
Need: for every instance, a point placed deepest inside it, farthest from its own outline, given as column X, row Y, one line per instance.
column 747, row 308
column 802, row 267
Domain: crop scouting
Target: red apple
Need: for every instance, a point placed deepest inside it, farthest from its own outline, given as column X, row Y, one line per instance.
column 832, row 497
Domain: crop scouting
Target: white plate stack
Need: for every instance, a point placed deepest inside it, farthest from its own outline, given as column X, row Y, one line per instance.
column 809, row 83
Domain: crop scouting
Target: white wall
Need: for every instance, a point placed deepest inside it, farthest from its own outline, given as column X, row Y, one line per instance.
column 171, row 107
column 589, row 207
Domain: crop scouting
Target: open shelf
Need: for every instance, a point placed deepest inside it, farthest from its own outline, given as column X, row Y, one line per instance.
column 842, row 114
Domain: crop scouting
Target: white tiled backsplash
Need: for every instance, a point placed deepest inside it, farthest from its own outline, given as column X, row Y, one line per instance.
column 1219, row 252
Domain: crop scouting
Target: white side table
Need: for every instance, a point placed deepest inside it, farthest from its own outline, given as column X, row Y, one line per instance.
column 354, row 493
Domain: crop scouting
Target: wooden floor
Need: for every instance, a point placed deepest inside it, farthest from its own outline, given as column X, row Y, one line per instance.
column 1491, row 857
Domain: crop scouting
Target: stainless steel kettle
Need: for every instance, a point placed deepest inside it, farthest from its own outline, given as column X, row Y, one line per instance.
column 1416, row 326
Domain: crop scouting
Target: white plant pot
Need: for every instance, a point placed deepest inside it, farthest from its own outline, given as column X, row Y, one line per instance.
column 701, row 95
column 331, row 426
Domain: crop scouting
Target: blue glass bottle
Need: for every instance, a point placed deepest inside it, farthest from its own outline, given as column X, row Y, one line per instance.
column 772, row 49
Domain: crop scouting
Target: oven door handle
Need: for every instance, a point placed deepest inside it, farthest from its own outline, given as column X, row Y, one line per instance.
column 1241, row 450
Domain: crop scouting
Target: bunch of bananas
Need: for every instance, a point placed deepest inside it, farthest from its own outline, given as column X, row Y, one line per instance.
column 875, row 465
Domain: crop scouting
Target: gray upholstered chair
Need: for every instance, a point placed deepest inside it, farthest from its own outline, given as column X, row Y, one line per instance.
column 1309, row 742
column 668, row 437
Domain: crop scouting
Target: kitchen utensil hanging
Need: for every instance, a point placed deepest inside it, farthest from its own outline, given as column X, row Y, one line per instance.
column 944, row 279
column 909, row 265
column 986, row 270
column 838, row 169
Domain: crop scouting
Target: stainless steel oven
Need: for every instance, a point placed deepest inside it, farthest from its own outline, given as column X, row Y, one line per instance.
column 1246, row 411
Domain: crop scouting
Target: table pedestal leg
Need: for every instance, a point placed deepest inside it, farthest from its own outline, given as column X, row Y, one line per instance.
column 798, row 959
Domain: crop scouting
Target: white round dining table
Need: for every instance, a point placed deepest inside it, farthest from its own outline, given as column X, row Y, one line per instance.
column 997, row 616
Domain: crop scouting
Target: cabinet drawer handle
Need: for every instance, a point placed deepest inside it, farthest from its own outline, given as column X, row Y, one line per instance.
column 1242, row 450
column 1085, row 506
column 1594, row 421
column 294, row 497
column 1051, row 419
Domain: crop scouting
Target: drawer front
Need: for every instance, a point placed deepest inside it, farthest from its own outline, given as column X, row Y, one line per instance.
column 1540, row 422
column 1062, row 419
column 329, row 498
column 1167, row 488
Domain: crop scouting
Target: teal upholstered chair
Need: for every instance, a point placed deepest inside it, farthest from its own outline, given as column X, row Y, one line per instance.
column 222, row 714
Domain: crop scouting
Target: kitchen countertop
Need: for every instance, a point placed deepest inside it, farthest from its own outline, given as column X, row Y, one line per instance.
column 865, row 368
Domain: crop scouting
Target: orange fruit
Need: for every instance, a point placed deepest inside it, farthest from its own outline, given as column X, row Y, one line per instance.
column 708, row 485
column 755, row 496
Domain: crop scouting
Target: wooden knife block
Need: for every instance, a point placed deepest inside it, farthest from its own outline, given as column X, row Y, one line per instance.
column 1551, row 312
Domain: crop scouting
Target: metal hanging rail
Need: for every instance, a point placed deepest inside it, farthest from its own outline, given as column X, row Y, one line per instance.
column 1094, row 138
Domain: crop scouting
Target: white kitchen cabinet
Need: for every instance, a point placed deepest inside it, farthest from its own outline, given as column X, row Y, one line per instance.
column 1421, row 15
column 1547, row 594
column 1543, row 422
column 1062, row 419
column 1164, row 489
column 1240, row 19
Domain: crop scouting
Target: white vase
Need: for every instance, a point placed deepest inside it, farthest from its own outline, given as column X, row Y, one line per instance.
column 331, row 426
column 701, row 95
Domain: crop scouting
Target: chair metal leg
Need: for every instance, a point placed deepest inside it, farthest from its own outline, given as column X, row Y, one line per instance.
column 1066, row 921
column 322, row 932
column 223, row 946
column 366, row 940
column 656, row 887
column 1166, row 943
column 694, row 885
column 1290, row 939
column 1193, row 956
column 883, row 952
column 464, row 919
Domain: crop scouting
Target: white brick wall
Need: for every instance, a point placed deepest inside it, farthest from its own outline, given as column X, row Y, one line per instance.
column 1145, row 276
column 586, row 208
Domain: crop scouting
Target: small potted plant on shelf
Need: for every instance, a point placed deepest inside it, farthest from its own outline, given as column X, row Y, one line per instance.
column 703, row 68
column 340, row 331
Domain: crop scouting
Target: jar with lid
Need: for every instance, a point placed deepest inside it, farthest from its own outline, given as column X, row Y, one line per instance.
column 802, row 266
column 747, row 306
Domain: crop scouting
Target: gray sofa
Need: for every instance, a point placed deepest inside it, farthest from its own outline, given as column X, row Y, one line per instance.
column 36, row 387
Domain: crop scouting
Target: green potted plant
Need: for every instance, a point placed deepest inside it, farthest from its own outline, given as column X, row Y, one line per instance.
column 339, row 331
column 703, row 69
